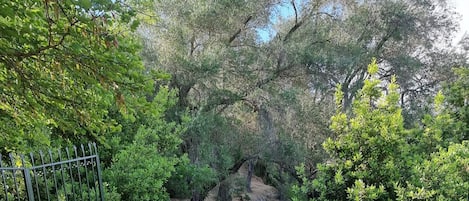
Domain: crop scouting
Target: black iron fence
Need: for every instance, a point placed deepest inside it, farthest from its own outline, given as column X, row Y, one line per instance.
column 53, row 175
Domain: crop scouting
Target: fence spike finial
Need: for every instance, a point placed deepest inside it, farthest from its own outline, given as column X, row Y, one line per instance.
column 95, row 148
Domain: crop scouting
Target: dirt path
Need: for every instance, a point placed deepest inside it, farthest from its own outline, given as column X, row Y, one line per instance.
column 260, row 191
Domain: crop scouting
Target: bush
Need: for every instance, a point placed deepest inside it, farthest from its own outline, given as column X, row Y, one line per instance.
column 375, row 158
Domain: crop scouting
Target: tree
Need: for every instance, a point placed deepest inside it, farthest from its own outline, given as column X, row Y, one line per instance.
column 457, row 94
column 63, row 64
column 212, row 52
column 410, row 39
column 373, row 156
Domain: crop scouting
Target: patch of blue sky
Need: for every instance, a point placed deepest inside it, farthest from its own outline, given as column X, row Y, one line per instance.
column 283, row 10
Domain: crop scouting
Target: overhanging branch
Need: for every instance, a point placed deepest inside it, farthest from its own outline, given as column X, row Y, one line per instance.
column 234, row 36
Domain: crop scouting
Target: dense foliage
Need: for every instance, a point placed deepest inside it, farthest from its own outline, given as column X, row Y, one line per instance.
column 70, row 73
column 63, row 64
column 374, row 157
column 180, row 95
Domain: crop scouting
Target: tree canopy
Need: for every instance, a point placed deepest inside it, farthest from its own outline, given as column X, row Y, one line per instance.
column 64, row 64
column 186, row 93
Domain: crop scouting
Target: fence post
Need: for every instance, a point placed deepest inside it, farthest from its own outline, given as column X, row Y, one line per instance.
column 98, row 166
column 29, row 184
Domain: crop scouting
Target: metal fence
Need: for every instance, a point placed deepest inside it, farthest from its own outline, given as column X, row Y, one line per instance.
column 53, row 175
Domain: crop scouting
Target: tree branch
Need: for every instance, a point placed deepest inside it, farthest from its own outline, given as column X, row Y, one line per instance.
column 234, row 36
column 296, row 11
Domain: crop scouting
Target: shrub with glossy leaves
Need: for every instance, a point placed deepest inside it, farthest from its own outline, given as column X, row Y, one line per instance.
column 374, row 157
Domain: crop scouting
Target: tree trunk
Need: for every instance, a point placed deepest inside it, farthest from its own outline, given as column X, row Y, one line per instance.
column 249, row 177
column 224, row 191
